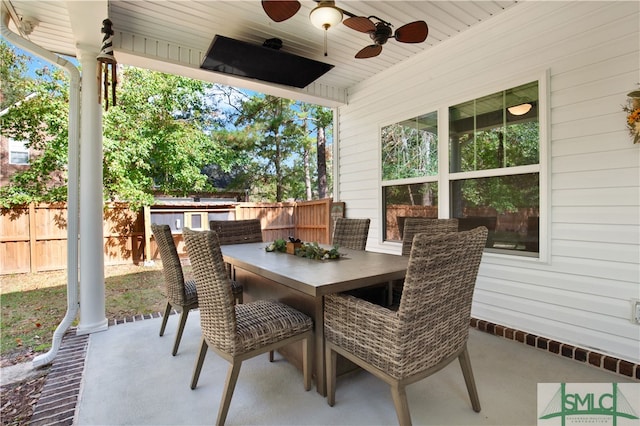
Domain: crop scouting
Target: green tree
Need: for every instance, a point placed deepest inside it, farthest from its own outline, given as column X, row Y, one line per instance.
column 167, row 133
column 235, row 167
column 156, row 137
column 281, row 133
column 512, row 145
column 36, row 113
column 270, row 122
column 323, row 119
column 13, row 68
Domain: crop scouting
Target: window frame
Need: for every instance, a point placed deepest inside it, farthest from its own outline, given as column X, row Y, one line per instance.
column 405, row 181
column 444, row 177
column 18, row 147
column 188, row 220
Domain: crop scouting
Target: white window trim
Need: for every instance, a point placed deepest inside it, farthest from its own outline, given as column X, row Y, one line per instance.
column 397, row 245
column 18, row 147
column 444, row 177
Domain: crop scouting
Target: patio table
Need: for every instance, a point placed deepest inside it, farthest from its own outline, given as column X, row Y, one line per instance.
column 302, row 283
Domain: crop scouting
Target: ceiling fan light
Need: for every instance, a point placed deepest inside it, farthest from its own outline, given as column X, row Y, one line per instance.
column 325, row 15
column 521, row 109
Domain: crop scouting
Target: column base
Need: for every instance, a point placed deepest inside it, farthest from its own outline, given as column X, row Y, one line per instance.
column 92, row 328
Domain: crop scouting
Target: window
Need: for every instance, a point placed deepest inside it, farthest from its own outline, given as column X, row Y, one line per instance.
column 196, row 220
column 18, row 152
column 493, row 179
column 494, row 152
column 409, row 171
column 408, row 200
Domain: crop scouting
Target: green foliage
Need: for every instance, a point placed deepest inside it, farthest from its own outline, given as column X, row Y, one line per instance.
column 503, row 193
column 279, row 245
column 417, row 194
column 166, row 134
column 155, row 138
column 13, row 67
column 40, row 119
column 410, row 148
column 508, row 146
column 308, row 250
column 269, row 123
column 314, row 251
column 232, row 168
column 279, row 134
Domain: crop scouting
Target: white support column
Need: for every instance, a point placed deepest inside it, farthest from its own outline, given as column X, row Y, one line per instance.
column 92, row 290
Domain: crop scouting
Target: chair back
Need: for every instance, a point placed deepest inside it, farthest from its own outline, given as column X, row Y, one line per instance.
column 415, row 225
column 171, row 266
column 435, row 307
column 237, row 231
column 351, row 233
column 215, row 298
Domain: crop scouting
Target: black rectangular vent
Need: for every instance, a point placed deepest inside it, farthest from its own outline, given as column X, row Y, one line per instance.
column 243, row 59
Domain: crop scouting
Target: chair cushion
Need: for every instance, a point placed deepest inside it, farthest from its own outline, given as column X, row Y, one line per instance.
column 264, row 322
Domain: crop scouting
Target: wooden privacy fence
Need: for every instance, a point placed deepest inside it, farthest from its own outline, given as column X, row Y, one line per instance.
column 33, row 238
column 306, row 220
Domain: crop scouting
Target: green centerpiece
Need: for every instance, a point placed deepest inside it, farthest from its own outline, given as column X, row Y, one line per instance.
column 279, row 245
column 308, row 250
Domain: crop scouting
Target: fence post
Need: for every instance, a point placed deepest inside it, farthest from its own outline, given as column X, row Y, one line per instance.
column 32, row 237
column 148, row 261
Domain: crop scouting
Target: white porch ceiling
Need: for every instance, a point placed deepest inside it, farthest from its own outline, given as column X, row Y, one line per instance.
column 173, row 36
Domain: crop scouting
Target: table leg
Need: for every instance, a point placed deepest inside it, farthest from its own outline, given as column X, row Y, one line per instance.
column 318, row 322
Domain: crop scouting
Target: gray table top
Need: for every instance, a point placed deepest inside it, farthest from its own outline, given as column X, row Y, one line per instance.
column 355, row 269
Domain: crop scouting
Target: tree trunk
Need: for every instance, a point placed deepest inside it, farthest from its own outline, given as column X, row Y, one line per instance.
column 307, row 173
column 277, row 161
column 322, row 163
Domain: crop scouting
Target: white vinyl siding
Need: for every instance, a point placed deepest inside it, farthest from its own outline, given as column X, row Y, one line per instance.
column 580, row 292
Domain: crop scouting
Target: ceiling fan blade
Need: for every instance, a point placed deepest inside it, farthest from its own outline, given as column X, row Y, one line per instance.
column 369, row 51
column 414, row 32
column 280, row 10
column 360, row 23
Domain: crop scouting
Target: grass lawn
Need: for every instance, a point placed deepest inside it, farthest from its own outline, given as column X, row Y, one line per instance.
column 32, row 305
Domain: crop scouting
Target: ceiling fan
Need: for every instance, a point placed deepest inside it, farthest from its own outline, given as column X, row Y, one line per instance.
column 380, row 32
column 327, row 14
column 280, row 11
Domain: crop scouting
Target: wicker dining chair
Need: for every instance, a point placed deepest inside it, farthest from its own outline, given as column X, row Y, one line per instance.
column 239, row 332
column 430, row 328
column 415, row 225
column 181, row 294
column 237, row 231
column 242, row 231
column 411, row 227
column 351, row 233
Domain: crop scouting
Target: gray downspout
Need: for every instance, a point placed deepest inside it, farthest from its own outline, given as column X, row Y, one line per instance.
column 72, row 184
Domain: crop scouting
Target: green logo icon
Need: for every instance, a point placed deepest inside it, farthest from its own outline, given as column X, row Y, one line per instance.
column 588, row 402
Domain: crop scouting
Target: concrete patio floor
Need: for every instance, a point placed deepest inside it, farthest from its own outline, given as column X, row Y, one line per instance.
column 131, row 378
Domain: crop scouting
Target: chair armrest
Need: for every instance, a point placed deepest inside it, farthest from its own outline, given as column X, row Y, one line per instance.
column 365, row 322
